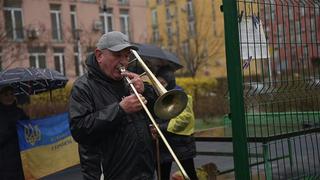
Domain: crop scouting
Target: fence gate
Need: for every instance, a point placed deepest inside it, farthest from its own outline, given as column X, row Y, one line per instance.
column 273, row 64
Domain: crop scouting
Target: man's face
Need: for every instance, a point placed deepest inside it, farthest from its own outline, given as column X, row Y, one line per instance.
column 7, row 97
column 162, row 81
column 110, row 62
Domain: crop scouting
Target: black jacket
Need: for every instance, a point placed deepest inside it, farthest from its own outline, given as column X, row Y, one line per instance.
column 90, row 161
column 96, row 119
column 183, row 146
column 10, row 160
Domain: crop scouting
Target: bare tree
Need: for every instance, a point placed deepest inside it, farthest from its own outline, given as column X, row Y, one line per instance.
column 199, row 50
column 193, row 39
column 12, row 52
column 200, row 44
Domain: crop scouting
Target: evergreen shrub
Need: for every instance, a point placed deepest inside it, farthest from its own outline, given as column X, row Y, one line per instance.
column 209, row 96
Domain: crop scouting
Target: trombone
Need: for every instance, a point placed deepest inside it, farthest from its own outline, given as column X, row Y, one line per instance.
column 168, row 105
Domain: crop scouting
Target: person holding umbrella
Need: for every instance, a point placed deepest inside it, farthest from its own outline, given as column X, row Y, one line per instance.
column 178, row 131
column 106, row 119
column 10, row 160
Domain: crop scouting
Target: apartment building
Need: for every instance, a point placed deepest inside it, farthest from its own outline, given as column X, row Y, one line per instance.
column 293, row 36
column 194, row 30
column 58, row 34
column 280, row 39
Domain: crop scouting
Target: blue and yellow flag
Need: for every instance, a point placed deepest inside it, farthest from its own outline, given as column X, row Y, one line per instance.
column 46, row 146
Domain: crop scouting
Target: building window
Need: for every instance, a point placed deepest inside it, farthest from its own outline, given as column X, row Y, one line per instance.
column 74, row 25
column 302, row 10
column 37, row 57
column 305, row 52
column 292, row 39
column 298, row 32
column 169, row 32
column 56, row 25
column 77, row 64
column 154, row 17
column 155, row 35
column 168, row 14
column 1, row 68
column 89, row 1
column 77, row 61
column 58, row 57
column 273, row 9
column 276, row 54
column 123, row 2
column 290, row 13
column 192, row 31
column 317, row 9
column 190, row 8
column 107, row 20
column 313, row 30
column 214, row 22
column 124, row 22
column 280, row 35
column 13, row 20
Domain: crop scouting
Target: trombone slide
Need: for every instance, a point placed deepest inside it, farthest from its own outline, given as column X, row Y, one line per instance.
column 164, row 101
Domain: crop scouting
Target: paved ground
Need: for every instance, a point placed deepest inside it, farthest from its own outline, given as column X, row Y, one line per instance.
column 222, row 162
column 305, row 160
column 72, row 173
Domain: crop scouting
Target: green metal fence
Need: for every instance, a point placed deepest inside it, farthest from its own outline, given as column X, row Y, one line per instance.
column 273, row 65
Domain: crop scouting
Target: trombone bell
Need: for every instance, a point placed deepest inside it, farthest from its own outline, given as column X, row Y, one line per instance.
column 170, row 104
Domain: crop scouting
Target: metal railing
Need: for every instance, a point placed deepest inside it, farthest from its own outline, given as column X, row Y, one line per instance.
column 273, row 65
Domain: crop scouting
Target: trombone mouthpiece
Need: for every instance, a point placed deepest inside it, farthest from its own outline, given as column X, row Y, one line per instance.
column 122, row 69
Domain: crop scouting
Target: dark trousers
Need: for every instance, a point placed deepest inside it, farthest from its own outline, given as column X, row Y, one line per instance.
column 187, row 164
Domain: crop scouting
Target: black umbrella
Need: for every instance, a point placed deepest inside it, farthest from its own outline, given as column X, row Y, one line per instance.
column 31, row 80
column 173, row 58
column 158, row 56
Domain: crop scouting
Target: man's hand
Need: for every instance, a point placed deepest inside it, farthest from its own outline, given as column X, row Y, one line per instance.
column 131, row 104
column 154, row 132
column 135, row 80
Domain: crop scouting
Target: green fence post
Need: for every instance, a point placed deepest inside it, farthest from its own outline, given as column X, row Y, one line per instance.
column 267, row 161
column 240, row 147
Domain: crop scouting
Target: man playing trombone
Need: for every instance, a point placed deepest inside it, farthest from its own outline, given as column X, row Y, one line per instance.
column 107, row 119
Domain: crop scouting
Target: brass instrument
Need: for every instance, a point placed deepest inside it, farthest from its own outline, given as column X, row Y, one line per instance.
column 168, row 105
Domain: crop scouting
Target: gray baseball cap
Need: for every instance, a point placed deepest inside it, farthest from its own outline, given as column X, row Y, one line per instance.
column 114, row 41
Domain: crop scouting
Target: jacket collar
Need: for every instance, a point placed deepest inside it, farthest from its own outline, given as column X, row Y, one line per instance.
column 95, row 72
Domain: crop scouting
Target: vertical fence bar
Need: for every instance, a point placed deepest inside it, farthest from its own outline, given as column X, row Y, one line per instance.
column 240, row 147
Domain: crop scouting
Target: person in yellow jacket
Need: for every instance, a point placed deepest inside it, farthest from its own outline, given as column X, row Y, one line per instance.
column 178, row 132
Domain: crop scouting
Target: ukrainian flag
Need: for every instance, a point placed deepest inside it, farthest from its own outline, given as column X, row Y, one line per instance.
column 46, row 146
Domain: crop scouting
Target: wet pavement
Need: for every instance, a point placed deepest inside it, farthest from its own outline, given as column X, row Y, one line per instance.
column 225, row 163
column 74, row 173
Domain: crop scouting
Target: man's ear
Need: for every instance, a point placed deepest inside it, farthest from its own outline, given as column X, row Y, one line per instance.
column 98, row 54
